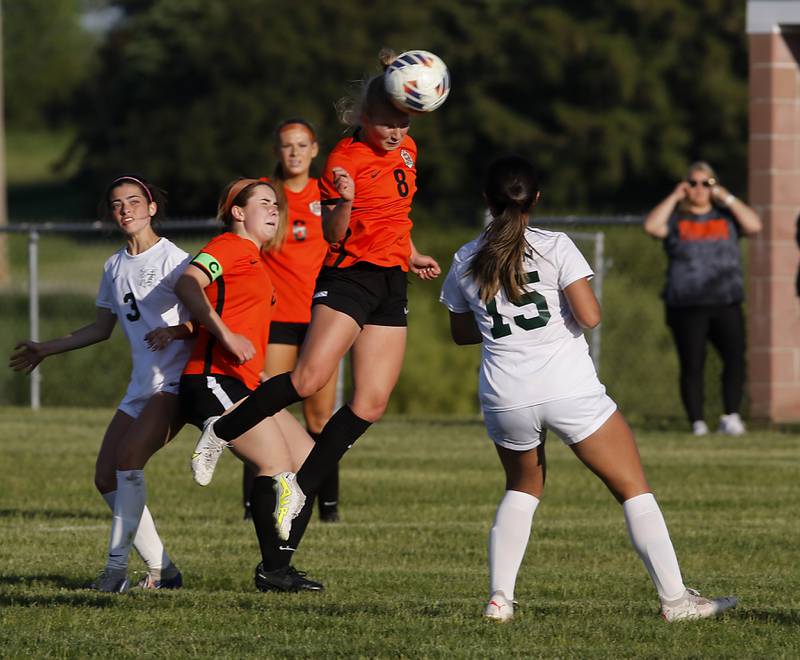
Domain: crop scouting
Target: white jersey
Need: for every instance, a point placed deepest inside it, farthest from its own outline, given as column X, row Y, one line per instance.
column 140, row 291
column 534, row 351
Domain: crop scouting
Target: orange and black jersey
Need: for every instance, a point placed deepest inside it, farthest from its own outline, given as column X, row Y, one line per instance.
column 385, row 182
column 294, row 268
column 242, row 294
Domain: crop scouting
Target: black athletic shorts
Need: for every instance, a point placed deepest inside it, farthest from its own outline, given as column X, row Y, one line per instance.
column 283, row 332
column 369, row 294
column 202, row 397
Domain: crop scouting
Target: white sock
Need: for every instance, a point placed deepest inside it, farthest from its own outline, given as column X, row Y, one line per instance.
column 131, row 522
column 147, row 543
column 508, row 539
column 650, row 538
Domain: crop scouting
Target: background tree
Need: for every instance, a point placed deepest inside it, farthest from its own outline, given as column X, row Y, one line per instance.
column 46, row 56
column 612, row 98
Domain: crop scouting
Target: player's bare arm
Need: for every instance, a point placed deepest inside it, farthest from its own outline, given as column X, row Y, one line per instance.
column 464, row 329
column 583, row 303
column 336, row 220
column 28, row 354
column 190, row 292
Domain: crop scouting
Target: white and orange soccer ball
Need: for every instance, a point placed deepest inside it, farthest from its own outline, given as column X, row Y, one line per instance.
column 417, row 81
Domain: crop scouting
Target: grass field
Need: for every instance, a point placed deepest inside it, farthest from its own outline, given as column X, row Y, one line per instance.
column 405, row 571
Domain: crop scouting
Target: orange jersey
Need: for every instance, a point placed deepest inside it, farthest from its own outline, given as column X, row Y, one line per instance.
column 293, row 269
column 385, row 182
column 241, row 293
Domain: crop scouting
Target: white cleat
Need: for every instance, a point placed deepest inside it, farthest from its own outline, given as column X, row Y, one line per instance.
column 206, row 453
column 731, row 424
column 112, row 580
column 699, row 428
column 694, row 606
column 499, row 609
column 289, row 500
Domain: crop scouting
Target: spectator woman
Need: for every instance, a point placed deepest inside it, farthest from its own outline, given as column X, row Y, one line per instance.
column 700, row 223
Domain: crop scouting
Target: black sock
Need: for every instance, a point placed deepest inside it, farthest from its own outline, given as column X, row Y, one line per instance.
column 248, row 477
column 262, row 505
column 268, row 398
column 299, row 524
column 328, row 495
column 339, row 434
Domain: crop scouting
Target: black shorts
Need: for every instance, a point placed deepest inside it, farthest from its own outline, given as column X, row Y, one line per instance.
column 283, row 332
column 369, row 294
column 202, row 397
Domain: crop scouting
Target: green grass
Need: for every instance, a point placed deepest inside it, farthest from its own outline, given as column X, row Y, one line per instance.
column 405, row 571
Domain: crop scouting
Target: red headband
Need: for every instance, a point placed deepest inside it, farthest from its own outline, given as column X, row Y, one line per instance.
column 135, row 180
column 236, row 188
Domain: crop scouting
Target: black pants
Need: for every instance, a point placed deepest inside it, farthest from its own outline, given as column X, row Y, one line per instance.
column 723, row 326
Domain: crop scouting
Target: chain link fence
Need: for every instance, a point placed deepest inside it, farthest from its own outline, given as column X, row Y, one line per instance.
column 56, row 268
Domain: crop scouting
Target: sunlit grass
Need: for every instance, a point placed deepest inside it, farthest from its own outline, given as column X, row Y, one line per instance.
column 405, row 570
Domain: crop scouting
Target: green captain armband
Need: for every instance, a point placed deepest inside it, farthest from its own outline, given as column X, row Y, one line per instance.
column 209, row 264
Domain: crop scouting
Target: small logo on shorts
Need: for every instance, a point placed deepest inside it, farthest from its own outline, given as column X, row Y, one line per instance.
column 320, row 294
column 405, row 311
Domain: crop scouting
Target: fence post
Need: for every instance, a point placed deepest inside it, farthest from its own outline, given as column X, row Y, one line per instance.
column 599, row 271
column 33, row 311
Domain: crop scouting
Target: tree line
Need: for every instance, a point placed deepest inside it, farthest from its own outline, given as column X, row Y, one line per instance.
column 611, row 98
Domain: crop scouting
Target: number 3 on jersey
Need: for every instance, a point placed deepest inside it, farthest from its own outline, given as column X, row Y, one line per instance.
column 134, row 314
column 502, row 329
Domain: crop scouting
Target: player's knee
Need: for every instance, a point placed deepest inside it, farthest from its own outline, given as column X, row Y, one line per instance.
column 370, row 410
column 104, row 481
column 308, row 382
column 316, row 420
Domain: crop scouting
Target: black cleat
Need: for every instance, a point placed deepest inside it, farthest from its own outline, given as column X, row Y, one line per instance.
column 287, row 579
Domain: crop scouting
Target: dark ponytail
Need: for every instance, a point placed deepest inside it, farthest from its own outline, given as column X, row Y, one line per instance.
column 511, row 188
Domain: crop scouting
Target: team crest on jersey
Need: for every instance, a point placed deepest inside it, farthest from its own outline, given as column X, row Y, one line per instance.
column 299, row 230
column 147, row 277
column 407, row 159
column 315, row 207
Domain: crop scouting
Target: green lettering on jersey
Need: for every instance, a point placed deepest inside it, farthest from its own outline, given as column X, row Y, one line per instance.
column 208, row 264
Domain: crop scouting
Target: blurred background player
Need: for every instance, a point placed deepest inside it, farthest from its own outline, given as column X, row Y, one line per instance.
column 360, row 300
column 700, row 223
column 525, row 295
column 137, row 289
column 293, row 269
column 228, row 290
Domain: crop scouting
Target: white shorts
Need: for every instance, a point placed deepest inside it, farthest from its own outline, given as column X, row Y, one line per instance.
column 134, row 402
column 572, row 419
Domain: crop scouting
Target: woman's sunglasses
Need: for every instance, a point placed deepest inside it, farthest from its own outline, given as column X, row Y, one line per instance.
column 707, row 183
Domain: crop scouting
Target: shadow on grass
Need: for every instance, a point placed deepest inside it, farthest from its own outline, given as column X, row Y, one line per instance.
column 53, row 514
column 88, row 599
column 78, row 595
column 48, row 579
column 781, row 617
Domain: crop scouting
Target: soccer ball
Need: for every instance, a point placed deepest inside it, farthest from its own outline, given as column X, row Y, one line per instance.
column 417, row 81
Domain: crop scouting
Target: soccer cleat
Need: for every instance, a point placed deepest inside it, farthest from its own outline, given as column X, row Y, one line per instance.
column 206, row 453
column 731, row 424
column 699, row 428
column 171, row 578
column 287, row 579
column 289, row 500
column 499, row 609
column 112, row 580
column 694, row 606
